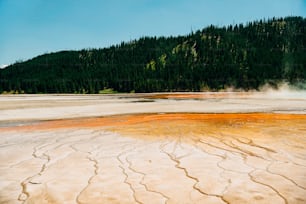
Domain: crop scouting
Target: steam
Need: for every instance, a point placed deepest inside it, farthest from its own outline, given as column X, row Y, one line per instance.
column 283, row 91
column 2, row 66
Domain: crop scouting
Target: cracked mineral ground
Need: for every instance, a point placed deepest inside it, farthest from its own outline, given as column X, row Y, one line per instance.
column 153, row 148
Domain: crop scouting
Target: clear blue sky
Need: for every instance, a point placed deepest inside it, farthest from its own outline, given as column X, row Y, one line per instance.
column 32, row 27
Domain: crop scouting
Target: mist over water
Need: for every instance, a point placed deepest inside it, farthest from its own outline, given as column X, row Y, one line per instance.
column 283, row 91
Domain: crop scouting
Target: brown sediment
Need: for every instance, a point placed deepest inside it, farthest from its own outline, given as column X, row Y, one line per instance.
column 204, row 95
column 171, row 119
column 241, row 126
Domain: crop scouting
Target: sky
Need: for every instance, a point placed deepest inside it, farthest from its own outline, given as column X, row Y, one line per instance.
column 33, row 27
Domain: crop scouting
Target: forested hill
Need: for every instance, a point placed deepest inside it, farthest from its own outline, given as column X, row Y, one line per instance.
column 239, row 56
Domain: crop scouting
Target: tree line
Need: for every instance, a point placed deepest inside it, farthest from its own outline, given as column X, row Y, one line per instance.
column 243, row 56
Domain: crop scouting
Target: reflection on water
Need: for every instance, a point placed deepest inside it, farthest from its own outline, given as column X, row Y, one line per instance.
column 4, row 124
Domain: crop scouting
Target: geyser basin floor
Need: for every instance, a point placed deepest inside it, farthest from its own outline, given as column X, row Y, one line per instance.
column 129, row 156
column 156, row 158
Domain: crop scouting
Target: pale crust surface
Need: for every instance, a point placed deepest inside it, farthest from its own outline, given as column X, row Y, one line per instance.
column 137, row 155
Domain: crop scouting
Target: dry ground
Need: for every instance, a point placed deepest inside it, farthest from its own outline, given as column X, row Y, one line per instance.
column 153, row 148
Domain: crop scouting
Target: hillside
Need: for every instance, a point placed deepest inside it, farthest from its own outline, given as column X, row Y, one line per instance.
column 214, row 58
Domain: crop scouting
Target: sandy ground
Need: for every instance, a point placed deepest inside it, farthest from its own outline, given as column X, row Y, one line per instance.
column 153, row 148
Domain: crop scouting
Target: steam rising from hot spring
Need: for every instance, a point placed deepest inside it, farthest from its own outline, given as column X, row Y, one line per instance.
column 283, row 91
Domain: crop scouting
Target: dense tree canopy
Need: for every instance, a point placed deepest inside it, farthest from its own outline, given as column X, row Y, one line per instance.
column 239, row 56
